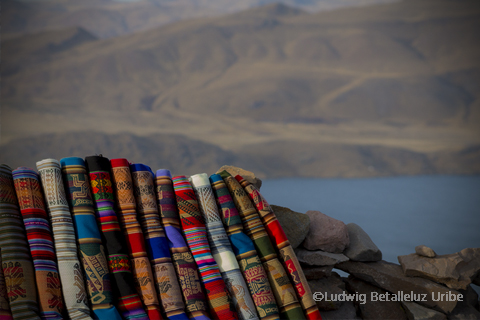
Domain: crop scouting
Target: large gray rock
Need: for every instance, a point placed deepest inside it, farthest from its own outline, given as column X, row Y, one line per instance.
column 248, row 175
column 346, row 311
column 361, row 247
column 371, row 308
column 415, row 311
column 332, row 285
column 425, row 251
column 455, row 270
column 319, row 258
column 312, row 273
column 390, row 277
column 295, row 224
column 326, row 233
column 465, row 309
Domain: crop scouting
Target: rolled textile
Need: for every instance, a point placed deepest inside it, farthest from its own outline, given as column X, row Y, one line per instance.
column 221, row 249
column 126, row 209
column 282, row 288
column 129, row 303
column 156, row 242
column 40, row 240
column 193, row 224
column 182, row 258
column 16, row 263
column 245, row 252
column 69, row 268
column 91, row 249
column 5, row 313
column 287, row 255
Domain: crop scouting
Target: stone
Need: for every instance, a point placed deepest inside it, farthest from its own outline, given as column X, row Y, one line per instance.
column 371, row 308
column 330, row 285
column 326, row 233
column 415, row 311
column 346, row 311
column 390, row 277
column 294, row 224
column 464, row 309
column 455, row 270
column 425, row 251
column 361, row 247
column 248, row 175
column 319, row 258
column 312, row 273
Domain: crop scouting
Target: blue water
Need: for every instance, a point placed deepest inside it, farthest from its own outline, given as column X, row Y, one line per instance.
column 398, row 213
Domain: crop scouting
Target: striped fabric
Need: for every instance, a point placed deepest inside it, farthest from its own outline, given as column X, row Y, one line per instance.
column 182, row 258
column 193, row 224
column 126, row 208
column 91, row 250
column 156, row 243
column 282, row 288
column 5, row 313
column 245, row 252
column 129, row 303
column 287, row 255
column 221, row 249
column 40, row 240
column 71, row 274
column 17, row 267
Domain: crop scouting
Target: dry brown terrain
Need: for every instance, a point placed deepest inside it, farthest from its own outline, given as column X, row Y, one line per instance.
column 379, row 90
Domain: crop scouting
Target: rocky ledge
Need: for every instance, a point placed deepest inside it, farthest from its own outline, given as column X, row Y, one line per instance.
column 424, row 286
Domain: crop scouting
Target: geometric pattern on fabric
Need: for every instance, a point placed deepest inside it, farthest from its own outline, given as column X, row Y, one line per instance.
column 283, row 290
column 221, row 249
column 40, row 240
column 193, row 223
column 156, row 242
column 91, row 250
column 182, row 258
column 247, row 257
column 129, row 303
column 5, row 313
column 16, row 265
column 71, row 275
column 287, row 255
column 126, row 209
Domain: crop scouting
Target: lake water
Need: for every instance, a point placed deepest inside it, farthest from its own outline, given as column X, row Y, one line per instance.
column 398, row 213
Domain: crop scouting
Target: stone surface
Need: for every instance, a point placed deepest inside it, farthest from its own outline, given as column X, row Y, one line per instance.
column 346, row 311
column 390, row 277
column 295, row 224
column 455, row 270
column 319, row 258
column 248, row 175
column 425, row 251
column 326, row 233
column 361, row 247
column 371, row 309
column 331, row 285
column 464, row 311
column 312, row 273
column 415, row 311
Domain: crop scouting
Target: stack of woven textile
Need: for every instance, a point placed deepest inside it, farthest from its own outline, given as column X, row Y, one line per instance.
column 108, row 239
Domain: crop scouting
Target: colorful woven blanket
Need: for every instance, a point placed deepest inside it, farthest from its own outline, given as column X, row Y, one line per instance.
column 91, row 250
column 287, row 255
column 129, row 303
column 70, row 270
column 282, row 288
column 126, row 209
column 182, row 258
column 40, row 240
column 221, row 249
column 193, row 224
column 16, row 263
column 5, row 313
column 245, row 252
column 157, row 244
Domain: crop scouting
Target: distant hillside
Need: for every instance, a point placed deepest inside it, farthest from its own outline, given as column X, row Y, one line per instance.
column 380, row 90
column 107, row 18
